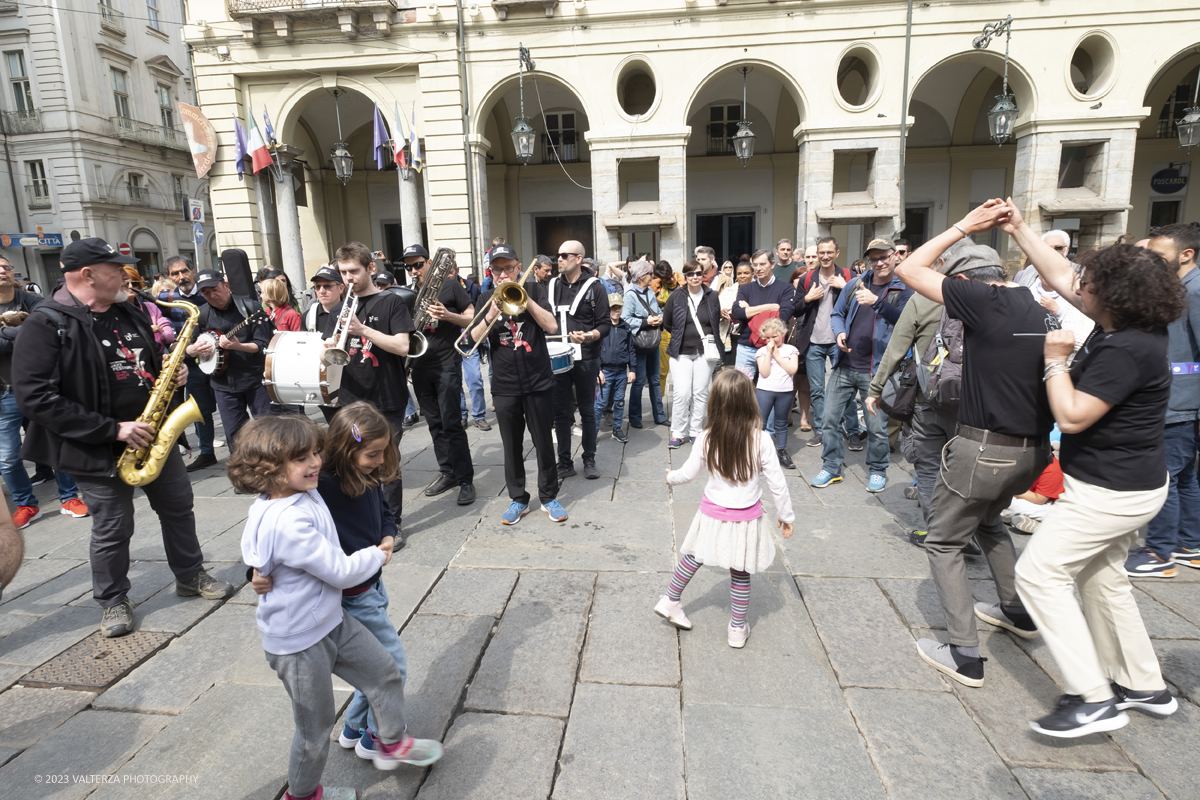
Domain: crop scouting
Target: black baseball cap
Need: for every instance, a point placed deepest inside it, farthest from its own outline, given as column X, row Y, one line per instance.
column 385, row 278
column 415, row 251
column 504, row 251
column 209, row 278
column 89, row 252
column 328, row 274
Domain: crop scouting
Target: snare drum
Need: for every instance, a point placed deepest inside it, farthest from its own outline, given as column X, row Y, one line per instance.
column 562, row 357
column 295, row 374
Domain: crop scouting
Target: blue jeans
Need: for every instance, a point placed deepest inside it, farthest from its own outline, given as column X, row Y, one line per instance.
column 411, row 408
column 814, row 363
column 747, row 360
column 11, row 465
column 647, row 370
column 370, row 608
column 845, row 386
column 1178, row 523
column 780, row 403
column 473, row 374
column 613, row 390
column 199, row 388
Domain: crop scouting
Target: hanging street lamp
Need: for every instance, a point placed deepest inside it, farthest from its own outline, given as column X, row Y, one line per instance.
column 1189, row 127
column 743, row 140
column 1005, row 112
column 523, row 134
column 343, row 162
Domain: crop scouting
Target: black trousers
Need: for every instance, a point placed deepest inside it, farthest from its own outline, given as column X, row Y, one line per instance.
column 438, row 388
column 110, row 501
column 513, row 413
column 236, row 408
column 579, row 385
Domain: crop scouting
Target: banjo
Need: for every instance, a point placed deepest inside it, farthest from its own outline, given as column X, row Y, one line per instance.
column 216, row 362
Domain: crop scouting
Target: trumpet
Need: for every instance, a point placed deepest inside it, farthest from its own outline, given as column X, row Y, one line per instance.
column 337, row 355
column 509, row 297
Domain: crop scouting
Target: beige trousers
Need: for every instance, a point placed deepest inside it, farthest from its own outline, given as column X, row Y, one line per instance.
column 1084, row 542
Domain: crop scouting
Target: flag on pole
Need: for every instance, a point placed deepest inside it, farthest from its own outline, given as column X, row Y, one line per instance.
column 260, row 156
column 240, row 147
column 381, row 138
column 417, row 161
column 398, row 140
column 270, row 131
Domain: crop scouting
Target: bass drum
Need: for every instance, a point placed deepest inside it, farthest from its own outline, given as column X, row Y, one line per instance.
column 295, row 373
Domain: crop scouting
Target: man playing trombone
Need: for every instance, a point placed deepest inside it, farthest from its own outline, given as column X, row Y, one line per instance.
column 516, row 318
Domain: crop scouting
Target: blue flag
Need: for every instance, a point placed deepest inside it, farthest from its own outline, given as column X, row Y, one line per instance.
column 241, row 147
column 382, row 139
column 270, row 131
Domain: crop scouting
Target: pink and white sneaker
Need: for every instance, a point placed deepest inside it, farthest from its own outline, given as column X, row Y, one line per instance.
column 672, row 612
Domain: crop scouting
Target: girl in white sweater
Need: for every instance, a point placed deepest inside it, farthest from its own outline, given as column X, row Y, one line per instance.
column 728, row 530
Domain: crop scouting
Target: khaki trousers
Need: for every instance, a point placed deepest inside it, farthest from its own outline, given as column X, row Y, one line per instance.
column 1084, row 542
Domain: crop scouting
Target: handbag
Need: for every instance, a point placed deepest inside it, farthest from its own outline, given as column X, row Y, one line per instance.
column 711, row 354
column 648, row 337
column 899, row 396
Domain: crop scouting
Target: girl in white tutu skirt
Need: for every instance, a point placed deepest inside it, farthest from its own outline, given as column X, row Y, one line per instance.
column 728, row 530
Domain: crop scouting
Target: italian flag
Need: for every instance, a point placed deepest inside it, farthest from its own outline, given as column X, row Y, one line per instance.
column 260, row 156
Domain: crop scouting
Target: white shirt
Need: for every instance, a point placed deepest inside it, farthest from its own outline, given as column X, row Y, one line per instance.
column 778, row 380
column 739, row 495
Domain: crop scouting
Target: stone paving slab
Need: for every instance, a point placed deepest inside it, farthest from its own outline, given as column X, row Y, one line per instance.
column 919, row 605
column 783, row 663
column 186, row 668
column 46, row 538
column 10, row 623
column 1155, row 744
column 443, row 653
column 33, row 573
column 167, row 611
column 473, row 592
column 607, row 724
column 214, row 516
column 496, row 757
column 406, row 585
column 1058, row 784
column 26, row 715
column 10, row 675
column 1181, row 598
column 853, row 541
column 88, row 744
column 1180, row 664
column 7, row 754
column 41, row 641
column 1016, row 691
column 627, row 642
column 146, row 579
column 54, row 593
column 432, row 542
column 926, row 747
column 867, row 643
column 1161, row 622
column 782, row 752
column 531, row 663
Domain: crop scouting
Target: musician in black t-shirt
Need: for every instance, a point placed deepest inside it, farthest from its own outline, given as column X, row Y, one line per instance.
column 377, row 344
column 322, row 315
column 437, row 377
column 522, row 386
column 239, row 390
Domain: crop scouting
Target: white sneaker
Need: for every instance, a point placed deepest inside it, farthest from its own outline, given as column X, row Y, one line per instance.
column 218, row 442
column 672, row 612
column 738, row 636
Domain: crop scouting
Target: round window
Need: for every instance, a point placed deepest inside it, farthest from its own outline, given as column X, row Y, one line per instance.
column 636, row 89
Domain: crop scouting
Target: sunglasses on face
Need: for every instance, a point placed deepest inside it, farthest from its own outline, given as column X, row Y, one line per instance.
column 417, row 265
column 901, row 252
column 692, row 274
column 562, row 256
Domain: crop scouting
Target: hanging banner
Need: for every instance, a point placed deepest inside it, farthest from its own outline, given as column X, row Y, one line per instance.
column 201, row 138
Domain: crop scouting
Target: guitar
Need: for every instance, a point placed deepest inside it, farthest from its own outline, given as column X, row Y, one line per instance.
column 216, row 362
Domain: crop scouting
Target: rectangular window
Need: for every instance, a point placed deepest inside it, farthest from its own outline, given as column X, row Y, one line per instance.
column 120, row 87
column 39, row 187
column 560, row 138
column 18, row 78
column 722, row 125
column 166, row 114
column 177, row 189
column 138, row 195
column 1164, row 212
column 729, row 234
column 152, row 14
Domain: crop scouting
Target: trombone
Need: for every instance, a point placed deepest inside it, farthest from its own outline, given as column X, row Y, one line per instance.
column 509, row 297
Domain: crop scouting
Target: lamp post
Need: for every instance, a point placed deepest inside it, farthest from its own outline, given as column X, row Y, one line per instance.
column 343, row 162
column 1189, row 127
column 523, row 134
column 743, row 140
column 1004, row 113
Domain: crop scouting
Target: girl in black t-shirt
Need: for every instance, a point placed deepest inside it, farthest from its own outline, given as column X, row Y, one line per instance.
column 1110, row 403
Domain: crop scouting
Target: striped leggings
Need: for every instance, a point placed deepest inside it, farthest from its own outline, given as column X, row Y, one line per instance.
column 739, row 588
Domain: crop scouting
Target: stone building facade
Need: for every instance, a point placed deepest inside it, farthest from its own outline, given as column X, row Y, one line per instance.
column 634, row 104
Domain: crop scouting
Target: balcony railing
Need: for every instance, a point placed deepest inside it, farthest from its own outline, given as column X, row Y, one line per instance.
column 37, row 195
column 23, row 121
column 132, row 130
column 566, row 152
column 111, row 20
column 719, row 138
column 242, row 8
column 138, row 195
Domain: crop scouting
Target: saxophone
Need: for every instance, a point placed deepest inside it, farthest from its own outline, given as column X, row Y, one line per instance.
column 441, row 266
column 138, row 467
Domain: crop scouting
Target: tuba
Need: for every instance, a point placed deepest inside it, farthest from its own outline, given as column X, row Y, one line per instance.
column 441, row 266
column 138, row 467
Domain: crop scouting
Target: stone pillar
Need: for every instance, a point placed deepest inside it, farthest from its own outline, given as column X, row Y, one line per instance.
column 410, row 211
column 672, row 200
column 606, row 202
column 820, row 208
column 292, row 253
column 815, row 189
column 425, row 183
column 479, row 150
column 268, row 225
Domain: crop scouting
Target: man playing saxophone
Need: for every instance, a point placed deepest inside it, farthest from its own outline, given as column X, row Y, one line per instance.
column 443, row 309
column 87, row 363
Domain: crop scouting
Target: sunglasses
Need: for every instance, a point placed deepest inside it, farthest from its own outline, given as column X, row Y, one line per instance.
column 561, row 256
column 692, row 274
column 418, row 265
column 1062, row 248
column 901, row 252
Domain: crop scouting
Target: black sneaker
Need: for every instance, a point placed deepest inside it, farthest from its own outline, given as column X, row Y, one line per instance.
column 994, row 614
column 203, row 585
column 1073, row 718
column 635, row 423
column 203, row 461
column 411, row 420
column 948, row 660
column 620, row 435
column 918, row 537
column 444, row 483
column 117, row 620
column 41, row 476
column 566, row 471
column 815, row 441
column 1160, row 703
column 466, row 494
column 910, row 493
column 856, row 442
column 589, row 469
column 785, row 460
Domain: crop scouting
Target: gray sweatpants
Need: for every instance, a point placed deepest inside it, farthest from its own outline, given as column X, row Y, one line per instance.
column 352, row 653
column 977, row 482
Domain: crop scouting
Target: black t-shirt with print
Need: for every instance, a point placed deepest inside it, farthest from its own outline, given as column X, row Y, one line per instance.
column 129, row 382
column 1123, row 450
column 442, row 338
column 373, row 373
column 1002, row 389
column 520, row 360
column 245, row 370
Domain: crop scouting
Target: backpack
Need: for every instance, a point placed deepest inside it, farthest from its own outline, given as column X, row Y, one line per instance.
column 899, row 396
column 940, row 373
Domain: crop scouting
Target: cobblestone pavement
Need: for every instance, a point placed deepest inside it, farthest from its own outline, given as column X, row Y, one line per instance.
column 533, row 652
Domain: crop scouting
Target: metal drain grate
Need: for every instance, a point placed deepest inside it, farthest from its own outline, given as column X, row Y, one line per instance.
column 97, row 663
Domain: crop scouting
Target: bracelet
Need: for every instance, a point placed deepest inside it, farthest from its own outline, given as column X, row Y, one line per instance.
column 960, row 230
column 1055, row 363
column 1050, row 373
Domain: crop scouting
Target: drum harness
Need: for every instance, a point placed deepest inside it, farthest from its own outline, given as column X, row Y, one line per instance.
column 564, row 311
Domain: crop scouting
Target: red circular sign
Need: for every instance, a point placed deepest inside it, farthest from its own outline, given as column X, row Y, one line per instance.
column 124, row 249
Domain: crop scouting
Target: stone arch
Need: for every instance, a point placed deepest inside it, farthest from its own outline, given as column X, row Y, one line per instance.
column 298, row 97
column 487, row 103
column 1020, row 82
column 1162, row 83
column 766, row 67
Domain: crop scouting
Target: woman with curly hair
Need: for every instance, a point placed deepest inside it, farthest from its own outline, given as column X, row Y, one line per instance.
column 1110, row 403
